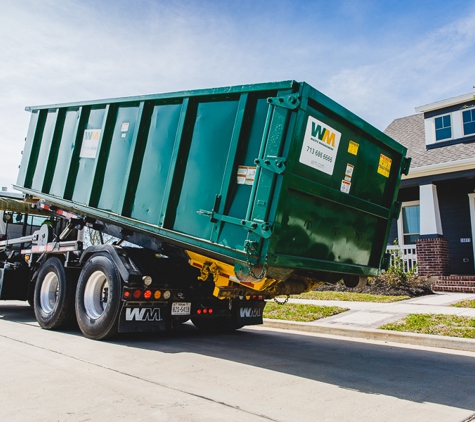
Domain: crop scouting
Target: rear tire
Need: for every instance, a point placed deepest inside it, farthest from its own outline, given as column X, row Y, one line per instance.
column 98, row 298
column 54, row 295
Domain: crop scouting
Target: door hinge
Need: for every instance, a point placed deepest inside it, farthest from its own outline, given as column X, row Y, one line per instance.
column 261, row 228
column 406, row 165
column 291, row 101
column 274, row 164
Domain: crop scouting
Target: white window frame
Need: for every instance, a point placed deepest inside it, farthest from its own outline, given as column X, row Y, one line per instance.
column 461, row 121
column 451, row 127
column 400, row 224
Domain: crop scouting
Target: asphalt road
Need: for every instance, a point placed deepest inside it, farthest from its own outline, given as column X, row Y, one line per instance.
column 255, row 374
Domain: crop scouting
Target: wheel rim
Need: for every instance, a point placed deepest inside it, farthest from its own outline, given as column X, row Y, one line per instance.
column 96, row 294
column 49, row 292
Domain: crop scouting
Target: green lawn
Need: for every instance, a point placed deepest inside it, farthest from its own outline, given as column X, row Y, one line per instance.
column 349, row 296
column 465, row 304
column 442, row 325
column 301, row 313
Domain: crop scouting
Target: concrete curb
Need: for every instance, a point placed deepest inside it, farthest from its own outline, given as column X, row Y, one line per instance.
column 426, row 340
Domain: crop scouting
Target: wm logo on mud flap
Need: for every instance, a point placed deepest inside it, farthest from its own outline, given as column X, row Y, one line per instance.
column 250, row 312
column 142, row 314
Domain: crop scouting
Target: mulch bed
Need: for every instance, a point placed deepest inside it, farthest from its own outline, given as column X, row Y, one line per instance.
column 417, row 288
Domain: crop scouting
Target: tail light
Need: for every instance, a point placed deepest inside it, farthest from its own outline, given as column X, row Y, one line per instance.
column 204, row 311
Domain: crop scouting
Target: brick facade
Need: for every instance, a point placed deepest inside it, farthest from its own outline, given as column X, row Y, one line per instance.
column 433, row 256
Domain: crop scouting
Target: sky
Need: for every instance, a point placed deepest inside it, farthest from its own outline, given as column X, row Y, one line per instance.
column 378, row 58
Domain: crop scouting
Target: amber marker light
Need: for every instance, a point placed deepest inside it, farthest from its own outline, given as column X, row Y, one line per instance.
column 157, row 294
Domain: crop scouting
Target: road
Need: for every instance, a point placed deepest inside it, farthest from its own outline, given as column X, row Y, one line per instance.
column 255, row 374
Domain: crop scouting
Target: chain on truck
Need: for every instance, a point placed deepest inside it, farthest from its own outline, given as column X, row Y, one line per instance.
column 218, row 199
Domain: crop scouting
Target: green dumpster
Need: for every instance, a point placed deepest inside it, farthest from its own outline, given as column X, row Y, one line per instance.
column 274, row 181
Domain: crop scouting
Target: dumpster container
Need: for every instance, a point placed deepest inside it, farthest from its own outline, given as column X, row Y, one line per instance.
column 266, row 186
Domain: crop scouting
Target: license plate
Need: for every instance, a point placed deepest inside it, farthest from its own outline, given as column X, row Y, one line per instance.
column 181, row 308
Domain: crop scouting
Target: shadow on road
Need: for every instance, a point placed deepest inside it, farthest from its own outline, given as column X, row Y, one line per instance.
column 408, row 374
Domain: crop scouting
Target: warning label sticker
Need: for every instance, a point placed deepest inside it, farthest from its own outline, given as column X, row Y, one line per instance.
column 349, row 170
column 384, row 166
column 90, row 143
column 320, row 146
column 246, row 175
column 345, row 186
column 353, row 147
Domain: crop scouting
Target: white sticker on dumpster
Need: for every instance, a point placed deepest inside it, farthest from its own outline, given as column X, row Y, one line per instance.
column 320, row 146
column 90, row 143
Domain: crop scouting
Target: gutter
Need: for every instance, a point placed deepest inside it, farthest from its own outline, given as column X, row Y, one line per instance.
column 441, row 168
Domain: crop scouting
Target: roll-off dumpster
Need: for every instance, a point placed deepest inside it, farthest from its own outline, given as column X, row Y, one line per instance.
column 265, row 188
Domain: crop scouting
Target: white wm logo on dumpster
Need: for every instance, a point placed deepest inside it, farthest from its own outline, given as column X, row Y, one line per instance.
column 142, row 314
column 250, row 312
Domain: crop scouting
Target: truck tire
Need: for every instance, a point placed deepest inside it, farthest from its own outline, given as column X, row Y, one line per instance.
column 54, row 295
column 98, row 298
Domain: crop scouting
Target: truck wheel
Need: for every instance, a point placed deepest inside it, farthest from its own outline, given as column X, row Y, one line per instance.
column 54, row 295
column 98, row 298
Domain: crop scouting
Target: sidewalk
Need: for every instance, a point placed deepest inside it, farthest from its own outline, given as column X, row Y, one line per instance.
column 363, row 319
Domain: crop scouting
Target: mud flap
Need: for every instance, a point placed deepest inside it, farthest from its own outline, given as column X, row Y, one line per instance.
column 139, row 317
column 250, row 313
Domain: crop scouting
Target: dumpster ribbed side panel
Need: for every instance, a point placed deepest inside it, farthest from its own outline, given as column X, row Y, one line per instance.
column 155, row 164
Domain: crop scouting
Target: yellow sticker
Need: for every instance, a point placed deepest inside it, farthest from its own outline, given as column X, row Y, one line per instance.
column 353, row 148
column 384, row 165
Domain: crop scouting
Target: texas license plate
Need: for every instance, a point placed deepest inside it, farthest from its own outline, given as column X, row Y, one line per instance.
column 181, row 308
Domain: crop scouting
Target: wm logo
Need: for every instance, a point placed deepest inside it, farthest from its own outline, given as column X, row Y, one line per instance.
column 324, row 134
column 142, row 314
column 250, row 312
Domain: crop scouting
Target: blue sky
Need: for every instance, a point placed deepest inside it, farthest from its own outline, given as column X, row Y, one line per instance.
column 379, row 58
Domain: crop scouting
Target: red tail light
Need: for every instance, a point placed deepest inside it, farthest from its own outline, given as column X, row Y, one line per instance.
column 127, row 294
column 147, row 294
column 137, row 294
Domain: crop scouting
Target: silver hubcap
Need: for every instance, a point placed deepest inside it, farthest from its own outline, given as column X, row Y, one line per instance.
column 96, row 294
column 49, row 292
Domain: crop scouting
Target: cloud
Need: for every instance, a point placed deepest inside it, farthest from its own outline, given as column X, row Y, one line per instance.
column 364, row 55
column 434, row 67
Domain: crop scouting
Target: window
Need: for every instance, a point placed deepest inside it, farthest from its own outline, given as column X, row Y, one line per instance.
column 409, row 228
column 443, row 128
column 469, row 122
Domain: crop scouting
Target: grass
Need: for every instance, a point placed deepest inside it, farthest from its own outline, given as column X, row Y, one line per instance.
column 441, row 325
column 465, row 304
column 349, row 296
column 298, row 312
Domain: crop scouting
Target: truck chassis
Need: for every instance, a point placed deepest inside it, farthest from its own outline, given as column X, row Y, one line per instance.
column 113, row 288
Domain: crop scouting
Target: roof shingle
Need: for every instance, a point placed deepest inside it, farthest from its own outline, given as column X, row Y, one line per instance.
column 409, row 131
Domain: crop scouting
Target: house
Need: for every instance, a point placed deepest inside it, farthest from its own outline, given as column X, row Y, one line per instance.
column 437, row 220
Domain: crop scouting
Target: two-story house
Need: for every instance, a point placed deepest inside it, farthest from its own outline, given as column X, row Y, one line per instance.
column 437, row 221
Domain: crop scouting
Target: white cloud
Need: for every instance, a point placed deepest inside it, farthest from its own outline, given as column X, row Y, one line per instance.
column 435, row 67
column 57, row 51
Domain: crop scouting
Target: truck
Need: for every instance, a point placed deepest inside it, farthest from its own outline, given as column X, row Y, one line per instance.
column 218, row 200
